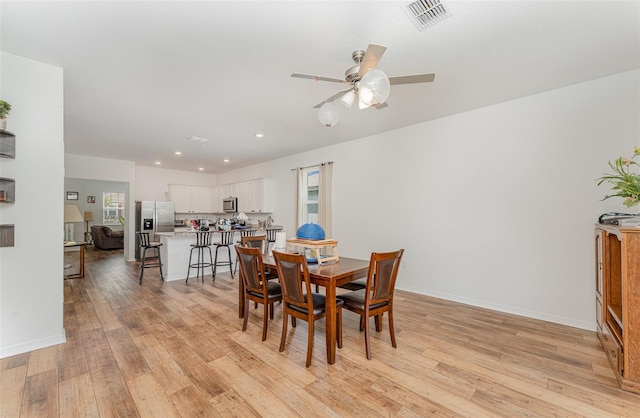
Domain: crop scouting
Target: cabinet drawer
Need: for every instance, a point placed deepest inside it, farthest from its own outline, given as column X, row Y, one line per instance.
column 612, row 348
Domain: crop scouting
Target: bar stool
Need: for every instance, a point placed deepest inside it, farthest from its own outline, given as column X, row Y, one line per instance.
column 146, row 244
column 244, row 233
column 271, row 236
column 203, row 240
column 226, row 240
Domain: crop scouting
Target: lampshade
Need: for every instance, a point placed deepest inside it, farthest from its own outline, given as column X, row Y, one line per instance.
column 374, row 87
column 348, row 98
column 88, row 216
column 72, row 214
column 328, row 114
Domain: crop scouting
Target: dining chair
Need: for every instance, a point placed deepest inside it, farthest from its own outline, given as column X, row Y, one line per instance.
column 377, row 297
column 299, row 301
column 244, row 233
column 256, row 289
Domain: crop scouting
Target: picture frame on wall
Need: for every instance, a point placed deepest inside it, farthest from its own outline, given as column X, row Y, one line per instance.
column 91, row 199
column 72, row 195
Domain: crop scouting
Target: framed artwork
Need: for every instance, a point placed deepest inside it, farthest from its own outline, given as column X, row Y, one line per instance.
column 72, row 195
column 91, row 199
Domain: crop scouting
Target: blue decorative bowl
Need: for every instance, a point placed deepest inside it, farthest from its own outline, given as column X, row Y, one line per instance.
column 313, row 232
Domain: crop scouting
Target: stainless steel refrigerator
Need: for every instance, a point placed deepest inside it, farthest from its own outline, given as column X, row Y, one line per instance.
column 153, row 217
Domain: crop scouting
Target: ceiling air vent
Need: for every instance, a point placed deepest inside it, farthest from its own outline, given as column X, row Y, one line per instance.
column 198, row 140
column 424, row 13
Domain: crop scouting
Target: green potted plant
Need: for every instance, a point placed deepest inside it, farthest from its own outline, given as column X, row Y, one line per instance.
column 4, row 112
column 625, row 183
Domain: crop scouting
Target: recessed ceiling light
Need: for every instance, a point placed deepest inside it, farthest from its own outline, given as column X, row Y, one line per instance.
column 201, row 168
column 178, row 153
column 226, row 160
column 158, row 162
column 259, row 135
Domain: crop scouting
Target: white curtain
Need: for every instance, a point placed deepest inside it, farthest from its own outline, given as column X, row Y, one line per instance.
column 325, row 192
column 299, row 172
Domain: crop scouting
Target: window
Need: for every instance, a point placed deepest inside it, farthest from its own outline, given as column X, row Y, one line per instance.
column 309, row 194
column 112, row 208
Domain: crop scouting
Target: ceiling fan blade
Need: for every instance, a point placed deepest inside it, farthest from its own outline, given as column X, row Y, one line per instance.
column 371, row 57
column 332, row 98
column 317, row 78
column 410, row 79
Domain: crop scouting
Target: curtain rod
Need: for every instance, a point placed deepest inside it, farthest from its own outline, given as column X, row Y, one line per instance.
column 313, row 165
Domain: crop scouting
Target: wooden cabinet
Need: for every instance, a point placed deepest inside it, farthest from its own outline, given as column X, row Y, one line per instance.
column 618, row 300
column 190, row 199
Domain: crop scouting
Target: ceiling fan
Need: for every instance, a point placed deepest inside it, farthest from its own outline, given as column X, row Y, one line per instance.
column 366, row 61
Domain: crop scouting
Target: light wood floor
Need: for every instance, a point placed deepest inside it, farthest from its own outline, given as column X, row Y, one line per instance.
column 177, row 350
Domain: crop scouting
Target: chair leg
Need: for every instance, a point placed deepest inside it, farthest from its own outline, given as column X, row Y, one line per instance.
column 271, row 311
column 391, row 330
column 160, row 264
column 283, row 338
column 215, row 262
column 189, row 269
column 230, row 265
column 378, row 319
column 361, row 323
column 310, row 342
column 339, row 327
column 211, row 260
column 293, row 321
column 246, row 313
column 367, row 342
column 265, row 321
column 144, row 253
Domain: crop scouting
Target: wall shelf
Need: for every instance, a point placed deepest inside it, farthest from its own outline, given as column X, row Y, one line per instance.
column 7, row 144
column 7, row 190
column 7, row 233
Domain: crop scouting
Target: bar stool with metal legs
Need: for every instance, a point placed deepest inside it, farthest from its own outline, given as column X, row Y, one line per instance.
column 271, row 236
column 226, row 240
column 244, row 233
column 203, row 240
column 145, row 244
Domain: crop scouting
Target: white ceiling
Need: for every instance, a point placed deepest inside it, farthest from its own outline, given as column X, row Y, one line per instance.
column 142, row 77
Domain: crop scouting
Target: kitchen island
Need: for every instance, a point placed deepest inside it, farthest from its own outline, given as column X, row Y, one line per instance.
column 176, row 247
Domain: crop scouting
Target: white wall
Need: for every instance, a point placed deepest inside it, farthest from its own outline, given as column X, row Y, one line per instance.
column 152, row 183
column 495, row 207
column 31, row 272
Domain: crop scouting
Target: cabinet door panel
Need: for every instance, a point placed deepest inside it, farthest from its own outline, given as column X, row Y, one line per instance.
column 181, row 198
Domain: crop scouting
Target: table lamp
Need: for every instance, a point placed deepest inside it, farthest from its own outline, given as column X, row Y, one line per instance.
column 88, row 217
column 71, row 216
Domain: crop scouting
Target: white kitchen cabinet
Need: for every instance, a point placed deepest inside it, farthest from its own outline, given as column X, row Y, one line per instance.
column 230, row 190
column 241, row 190
column 216, row 200
column 190, row 199
column 181, row 198
column 201, row 199
column 259, row 195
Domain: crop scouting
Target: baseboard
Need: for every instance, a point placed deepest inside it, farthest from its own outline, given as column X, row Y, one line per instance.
column 33, row 345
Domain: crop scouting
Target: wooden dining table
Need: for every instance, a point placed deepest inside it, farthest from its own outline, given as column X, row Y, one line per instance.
column 330, row 276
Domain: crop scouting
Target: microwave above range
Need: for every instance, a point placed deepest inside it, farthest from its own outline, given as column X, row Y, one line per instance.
column 230, row 204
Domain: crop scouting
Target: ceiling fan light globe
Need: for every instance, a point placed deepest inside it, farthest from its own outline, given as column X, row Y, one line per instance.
column 348, row 98
column 329, row 115
column 374, row 87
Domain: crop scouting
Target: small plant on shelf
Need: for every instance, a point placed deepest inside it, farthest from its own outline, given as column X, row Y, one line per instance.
column 5, row 108
column 625, row 183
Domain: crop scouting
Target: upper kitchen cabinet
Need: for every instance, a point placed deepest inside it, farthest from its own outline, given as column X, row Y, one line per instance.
column 230, row 190
column 255, row 196
column 191, row 199
column 216, row 200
